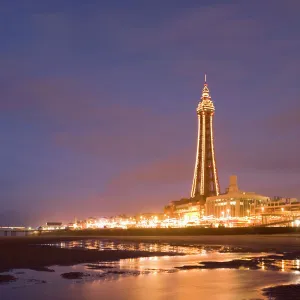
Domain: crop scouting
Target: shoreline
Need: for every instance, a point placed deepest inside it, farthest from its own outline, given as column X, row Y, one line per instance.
column 259, row 242
column 186, row 231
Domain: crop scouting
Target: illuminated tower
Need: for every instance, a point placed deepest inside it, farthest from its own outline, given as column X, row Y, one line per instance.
column 205, row 182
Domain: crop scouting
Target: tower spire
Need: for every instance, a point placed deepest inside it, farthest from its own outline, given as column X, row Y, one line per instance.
column 205, row 181
column 205, row 90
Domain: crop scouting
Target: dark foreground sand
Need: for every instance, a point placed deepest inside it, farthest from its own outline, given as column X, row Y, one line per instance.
column 283, row 292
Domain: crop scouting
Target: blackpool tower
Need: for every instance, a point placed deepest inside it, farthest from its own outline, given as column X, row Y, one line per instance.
column 205, row 182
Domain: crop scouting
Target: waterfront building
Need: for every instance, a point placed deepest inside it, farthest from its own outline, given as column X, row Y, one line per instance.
column 234, row 203
column 205, row 180
column 279, row 211
column 91, row 222
column 188, row 209
column 53, row 226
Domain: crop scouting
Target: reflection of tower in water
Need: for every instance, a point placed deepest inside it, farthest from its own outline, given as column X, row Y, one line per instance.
column 205, row 182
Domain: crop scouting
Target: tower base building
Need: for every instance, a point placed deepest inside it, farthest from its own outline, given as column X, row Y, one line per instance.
column 234, row 203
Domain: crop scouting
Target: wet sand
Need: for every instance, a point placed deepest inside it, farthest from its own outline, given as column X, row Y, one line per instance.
column 29, row 253
column 259, row 242
column 256, row 242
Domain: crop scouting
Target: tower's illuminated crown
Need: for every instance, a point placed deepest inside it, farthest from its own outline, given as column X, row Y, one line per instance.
column 205, row 92
column 205, row 103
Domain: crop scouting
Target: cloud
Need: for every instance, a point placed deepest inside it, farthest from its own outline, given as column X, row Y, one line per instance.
column 274, row 157
column 196, row 27
column 85, row 120
column 150, row 186
column 61, row 100
column 125, row 135
column 16, row 218
column 268, row 152
column 285, row 122
column 171, row 170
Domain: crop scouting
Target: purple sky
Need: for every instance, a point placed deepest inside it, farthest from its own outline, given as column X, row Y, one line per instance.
column 98, row 102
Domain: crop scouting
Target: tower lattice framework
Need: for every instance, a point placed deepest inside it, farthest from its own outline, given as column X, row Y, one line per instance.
column 205, row 181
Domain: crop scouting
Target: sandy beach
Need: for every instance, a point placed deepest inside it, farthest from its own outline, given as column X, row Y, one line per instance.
column 36, row 253
column 31, row 251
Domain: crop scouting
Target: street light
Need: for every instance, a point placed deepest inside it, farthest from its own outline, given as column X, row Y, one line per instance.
column 228, row 210
column 262, row 217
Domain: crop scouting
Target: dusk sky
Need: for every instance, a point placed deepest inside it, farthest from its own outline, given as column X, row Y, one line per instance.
column 98, row 102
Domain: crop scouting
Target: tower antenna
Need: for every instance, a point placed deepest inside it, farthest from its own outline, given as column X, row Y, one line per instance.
column 205, row 78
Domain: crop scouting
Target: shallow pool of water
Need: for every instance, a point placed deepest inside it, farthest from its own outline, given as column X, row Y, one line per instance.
column 150, row 278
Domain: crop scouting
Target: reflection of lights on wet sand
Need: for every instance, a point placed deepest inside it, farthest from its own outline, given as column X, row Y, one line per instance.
column 282, row 265
column 153, row 258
